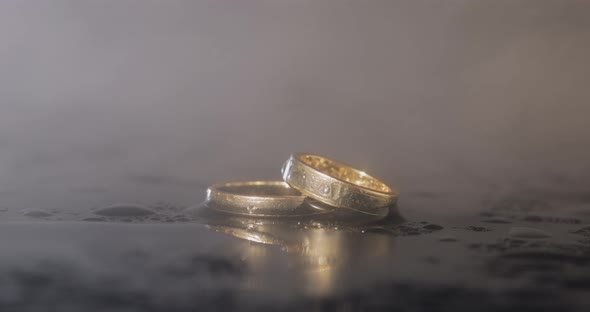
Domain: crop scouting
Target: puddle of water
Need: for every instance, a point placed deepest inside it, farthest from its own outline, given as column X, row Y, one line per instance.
column 124, row 210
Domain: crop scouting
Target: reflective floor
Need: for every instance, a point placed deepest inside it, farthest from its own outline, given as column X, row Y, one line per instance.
column 525, row 250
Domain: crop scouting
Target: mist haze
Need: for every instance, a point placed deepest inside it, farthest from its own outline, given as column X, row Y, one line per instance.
column 150, row 100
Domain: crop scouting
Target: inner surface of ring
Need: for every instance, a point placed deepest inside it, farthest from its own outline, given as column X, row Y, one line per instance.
column 260, row 190
column 345, row 173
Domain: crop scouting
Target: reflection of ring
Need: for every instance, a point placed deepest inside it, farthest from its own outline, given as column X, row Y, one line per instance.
column 256, row 198
column 337, row 184
column 247, row 234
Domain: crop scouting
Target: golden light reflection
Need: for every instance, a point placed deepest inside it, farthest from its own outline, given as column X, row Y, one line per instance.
column 316, row 254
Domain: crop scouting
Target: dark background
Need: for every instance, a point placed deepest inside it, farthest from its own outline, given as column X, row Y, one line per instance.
column 138, row 101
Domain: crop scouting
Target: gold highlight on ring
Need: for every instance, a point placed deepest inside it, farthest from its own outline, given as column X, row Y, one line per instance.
column 257, row 198
column 338, row 184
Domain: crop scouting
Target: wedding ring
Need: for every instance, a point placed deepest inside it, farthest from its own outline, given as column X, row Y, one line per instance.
column 338, row 184
column 258, row 198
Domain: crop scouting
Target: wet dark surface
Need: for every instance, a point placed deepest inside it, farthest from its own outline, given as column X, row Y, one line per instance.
column 515, row 254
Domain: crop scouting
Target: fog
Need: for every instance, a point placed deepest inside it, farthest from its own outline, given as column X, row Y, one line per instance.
column 154, row 100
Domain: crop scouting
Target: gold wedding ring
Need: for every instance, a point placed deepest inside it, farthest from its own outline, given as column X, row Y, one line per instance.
column 338, row 184
column 259, row 198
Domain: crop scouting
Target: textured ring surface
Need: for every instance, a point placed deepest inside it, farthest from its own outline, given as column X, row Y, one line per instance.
column 337, row 184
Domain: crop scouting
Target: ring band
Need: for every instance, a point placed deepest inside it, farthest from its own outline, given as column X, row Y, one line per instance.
column 338, row 184
column 258, row 198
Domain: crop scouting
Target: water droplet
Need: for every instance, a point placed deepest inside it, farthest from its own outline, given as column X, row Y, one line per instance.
column 448, row 239
column 525, row 232
column 326, row 190
column 377, row 230
column 124, row 210
column 433, row 227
